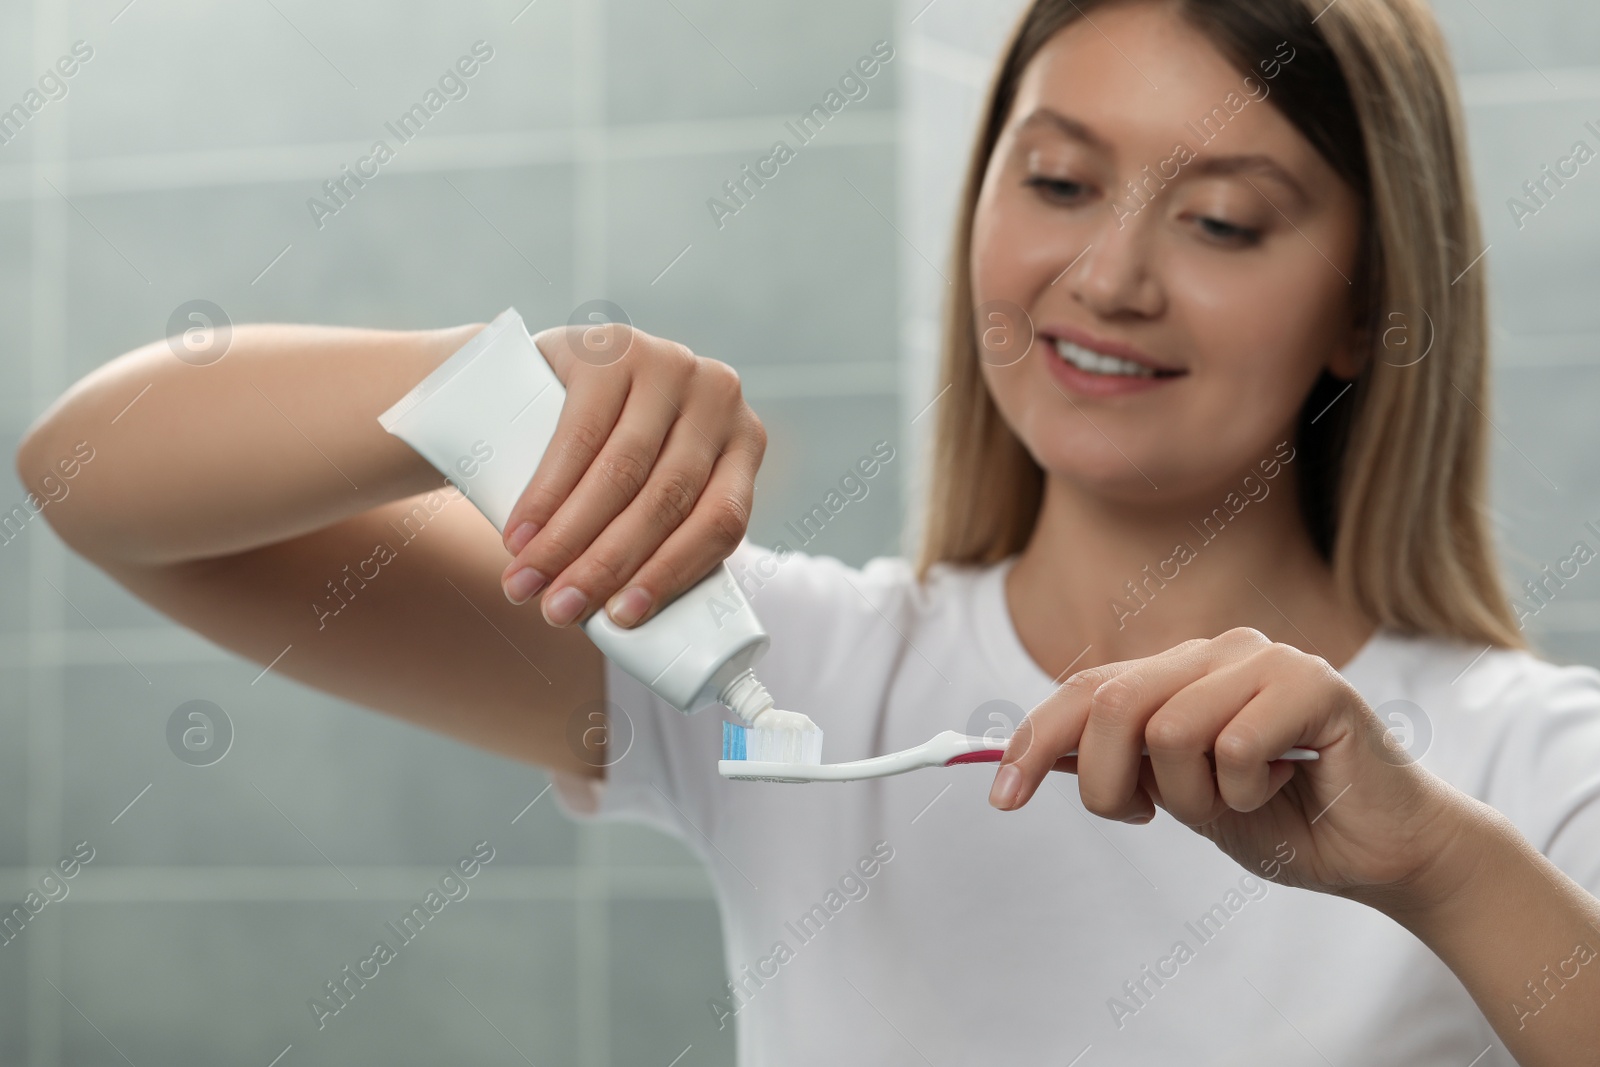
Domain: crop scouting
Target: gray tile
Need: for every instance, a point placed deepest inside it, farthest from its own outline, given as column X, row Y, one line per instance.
column 17, row 59
column 406, row 252
column 172, row 79
column 626, row 845
column 1550, row 436
column 20, row 526
column 16, row 316
column 13, row 1009
column 1539, row 264
column 813, row 448
column 1504, row 35
column 305, row 772
column 698, row 59
column 15, row 696
column 1567, row 647
column 804, row 273
column 976, row 26
column 226, row 983
column 666, row 964
column 93, row 599
column 428, row 255
column 936, row 167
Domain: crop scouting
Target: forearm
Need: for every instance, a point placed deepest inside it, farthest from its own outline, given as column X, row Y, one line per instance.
column 1523, row 938
column 278, row 438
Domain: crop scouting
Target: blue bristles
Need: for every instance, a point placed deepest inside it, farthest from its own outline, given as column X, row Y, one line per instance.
column 733, row 741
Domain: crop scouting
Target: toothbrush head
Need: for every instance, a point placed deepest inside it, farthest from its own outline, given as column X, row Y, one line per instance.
column 779, row 737
column 739, row 762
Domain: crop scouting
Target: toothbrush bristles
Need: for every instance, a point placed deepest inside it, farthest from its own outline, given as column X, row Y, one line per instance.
column 784, row 737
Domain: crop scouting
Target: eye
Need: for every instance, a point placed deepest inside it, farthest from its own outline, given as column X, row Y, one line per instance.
column 1057, row 189
column 1228, row 233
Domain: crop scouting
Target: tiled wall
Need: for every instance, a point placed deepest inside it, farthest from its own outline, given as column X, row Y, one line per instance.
column 578, row 165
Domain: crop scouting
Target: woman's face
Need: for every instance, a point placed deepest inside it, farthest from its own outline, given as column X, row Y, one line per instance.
column 1178, row 323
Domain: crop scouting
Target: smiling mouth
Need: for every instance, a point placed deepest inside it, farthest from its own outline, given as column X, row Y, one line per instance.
column 1092, row 362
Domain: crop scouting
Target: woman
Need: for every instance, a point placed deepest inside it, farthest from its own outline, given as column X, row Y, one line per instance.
column 1181, row 463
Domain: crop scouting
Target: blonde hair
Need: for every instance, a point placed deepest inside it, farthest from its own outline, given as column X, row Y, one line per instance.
column 1393, row 481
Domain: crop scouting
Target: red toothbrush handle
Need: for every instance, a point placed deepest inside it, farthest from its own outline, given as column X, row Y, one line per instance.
column 982, row 755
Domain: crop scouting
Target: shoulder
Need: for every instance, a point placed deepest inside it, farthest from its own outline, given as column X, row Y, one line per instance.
column 1508, row 727
column 1472, row 680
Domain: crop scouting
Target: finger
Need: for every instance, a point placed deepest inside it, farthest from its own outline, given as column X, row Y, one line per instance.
column 1111, row 750
column 707, row 537
column 615, row 476
column 665, row 503
column 1183, row 732
column 1278, row 774
column 1049, row 731
column 1147, row 798
column 594, row 402
column 594, row 344
column 1288, row 710
column 589, row 413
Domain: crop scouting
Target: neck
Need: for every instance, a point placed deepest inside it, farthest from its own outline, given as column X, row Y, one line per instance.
column 1101, row 581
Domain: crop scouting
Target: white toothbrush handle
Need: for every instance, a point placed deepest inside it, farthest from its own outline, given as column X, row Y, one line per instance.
column 943, row 749
column 957, row 745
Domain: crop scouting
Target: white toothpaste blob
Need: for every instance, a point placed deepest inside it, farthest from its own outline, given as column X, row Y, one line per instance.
column 783, row 737
column 774, row 736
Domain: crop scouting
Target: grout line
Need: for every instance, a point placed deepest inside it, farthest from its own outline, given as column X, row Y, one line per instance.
column 311, row 162
column 46, row 731
column 592, row 142
column 302, row 882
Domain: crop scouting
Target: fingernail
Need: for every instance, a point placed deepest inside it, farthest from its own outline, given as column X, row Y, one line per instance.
column 523, row 583
column 562, row 606
column 1139, row 820
column 521, row 536
column 629, row 606
column 1006, row 785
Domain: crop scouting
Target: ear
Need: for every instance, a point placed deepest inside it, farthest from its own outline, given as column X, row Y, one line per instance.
column 1351, row 355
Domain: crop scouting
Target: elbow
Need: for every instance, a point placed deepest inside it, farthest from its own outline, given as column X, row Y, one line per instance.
column 50, row 457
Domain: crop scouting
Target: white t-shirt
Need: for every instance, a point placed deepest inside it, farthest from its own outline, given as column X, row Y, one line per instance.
column 905, row 921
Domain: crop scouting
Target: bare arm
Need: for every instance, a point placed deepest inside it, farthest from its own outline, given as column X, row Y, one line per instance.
column 258, row 501
column 278, row 438
column 1522, row 937
column 418, row 629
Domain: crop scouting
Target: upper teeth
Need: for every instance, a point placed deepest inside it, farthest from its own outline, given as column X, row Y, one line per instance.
column 1098, row 363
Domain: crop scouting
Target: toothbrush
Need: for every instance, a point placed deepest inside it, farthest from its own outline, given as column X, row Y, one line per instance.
column 944, row 749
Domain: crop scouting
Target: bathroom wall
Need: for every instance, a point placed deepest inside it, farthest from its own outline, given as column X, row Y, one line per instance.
column 576, row 163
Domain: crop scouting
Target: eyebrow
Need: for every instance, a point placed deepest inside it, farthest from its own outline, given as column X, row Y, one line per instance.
column 1209, row 166
column 1071, row 127
column 1263, row 165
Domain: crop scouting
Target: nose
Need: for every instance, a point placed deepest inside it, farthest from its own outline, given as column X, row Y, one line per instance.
column 1114, row 277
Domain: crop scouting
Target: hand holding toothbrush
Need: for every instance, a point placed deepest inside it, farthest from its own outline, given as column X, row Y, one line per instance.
column 1363, row 820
